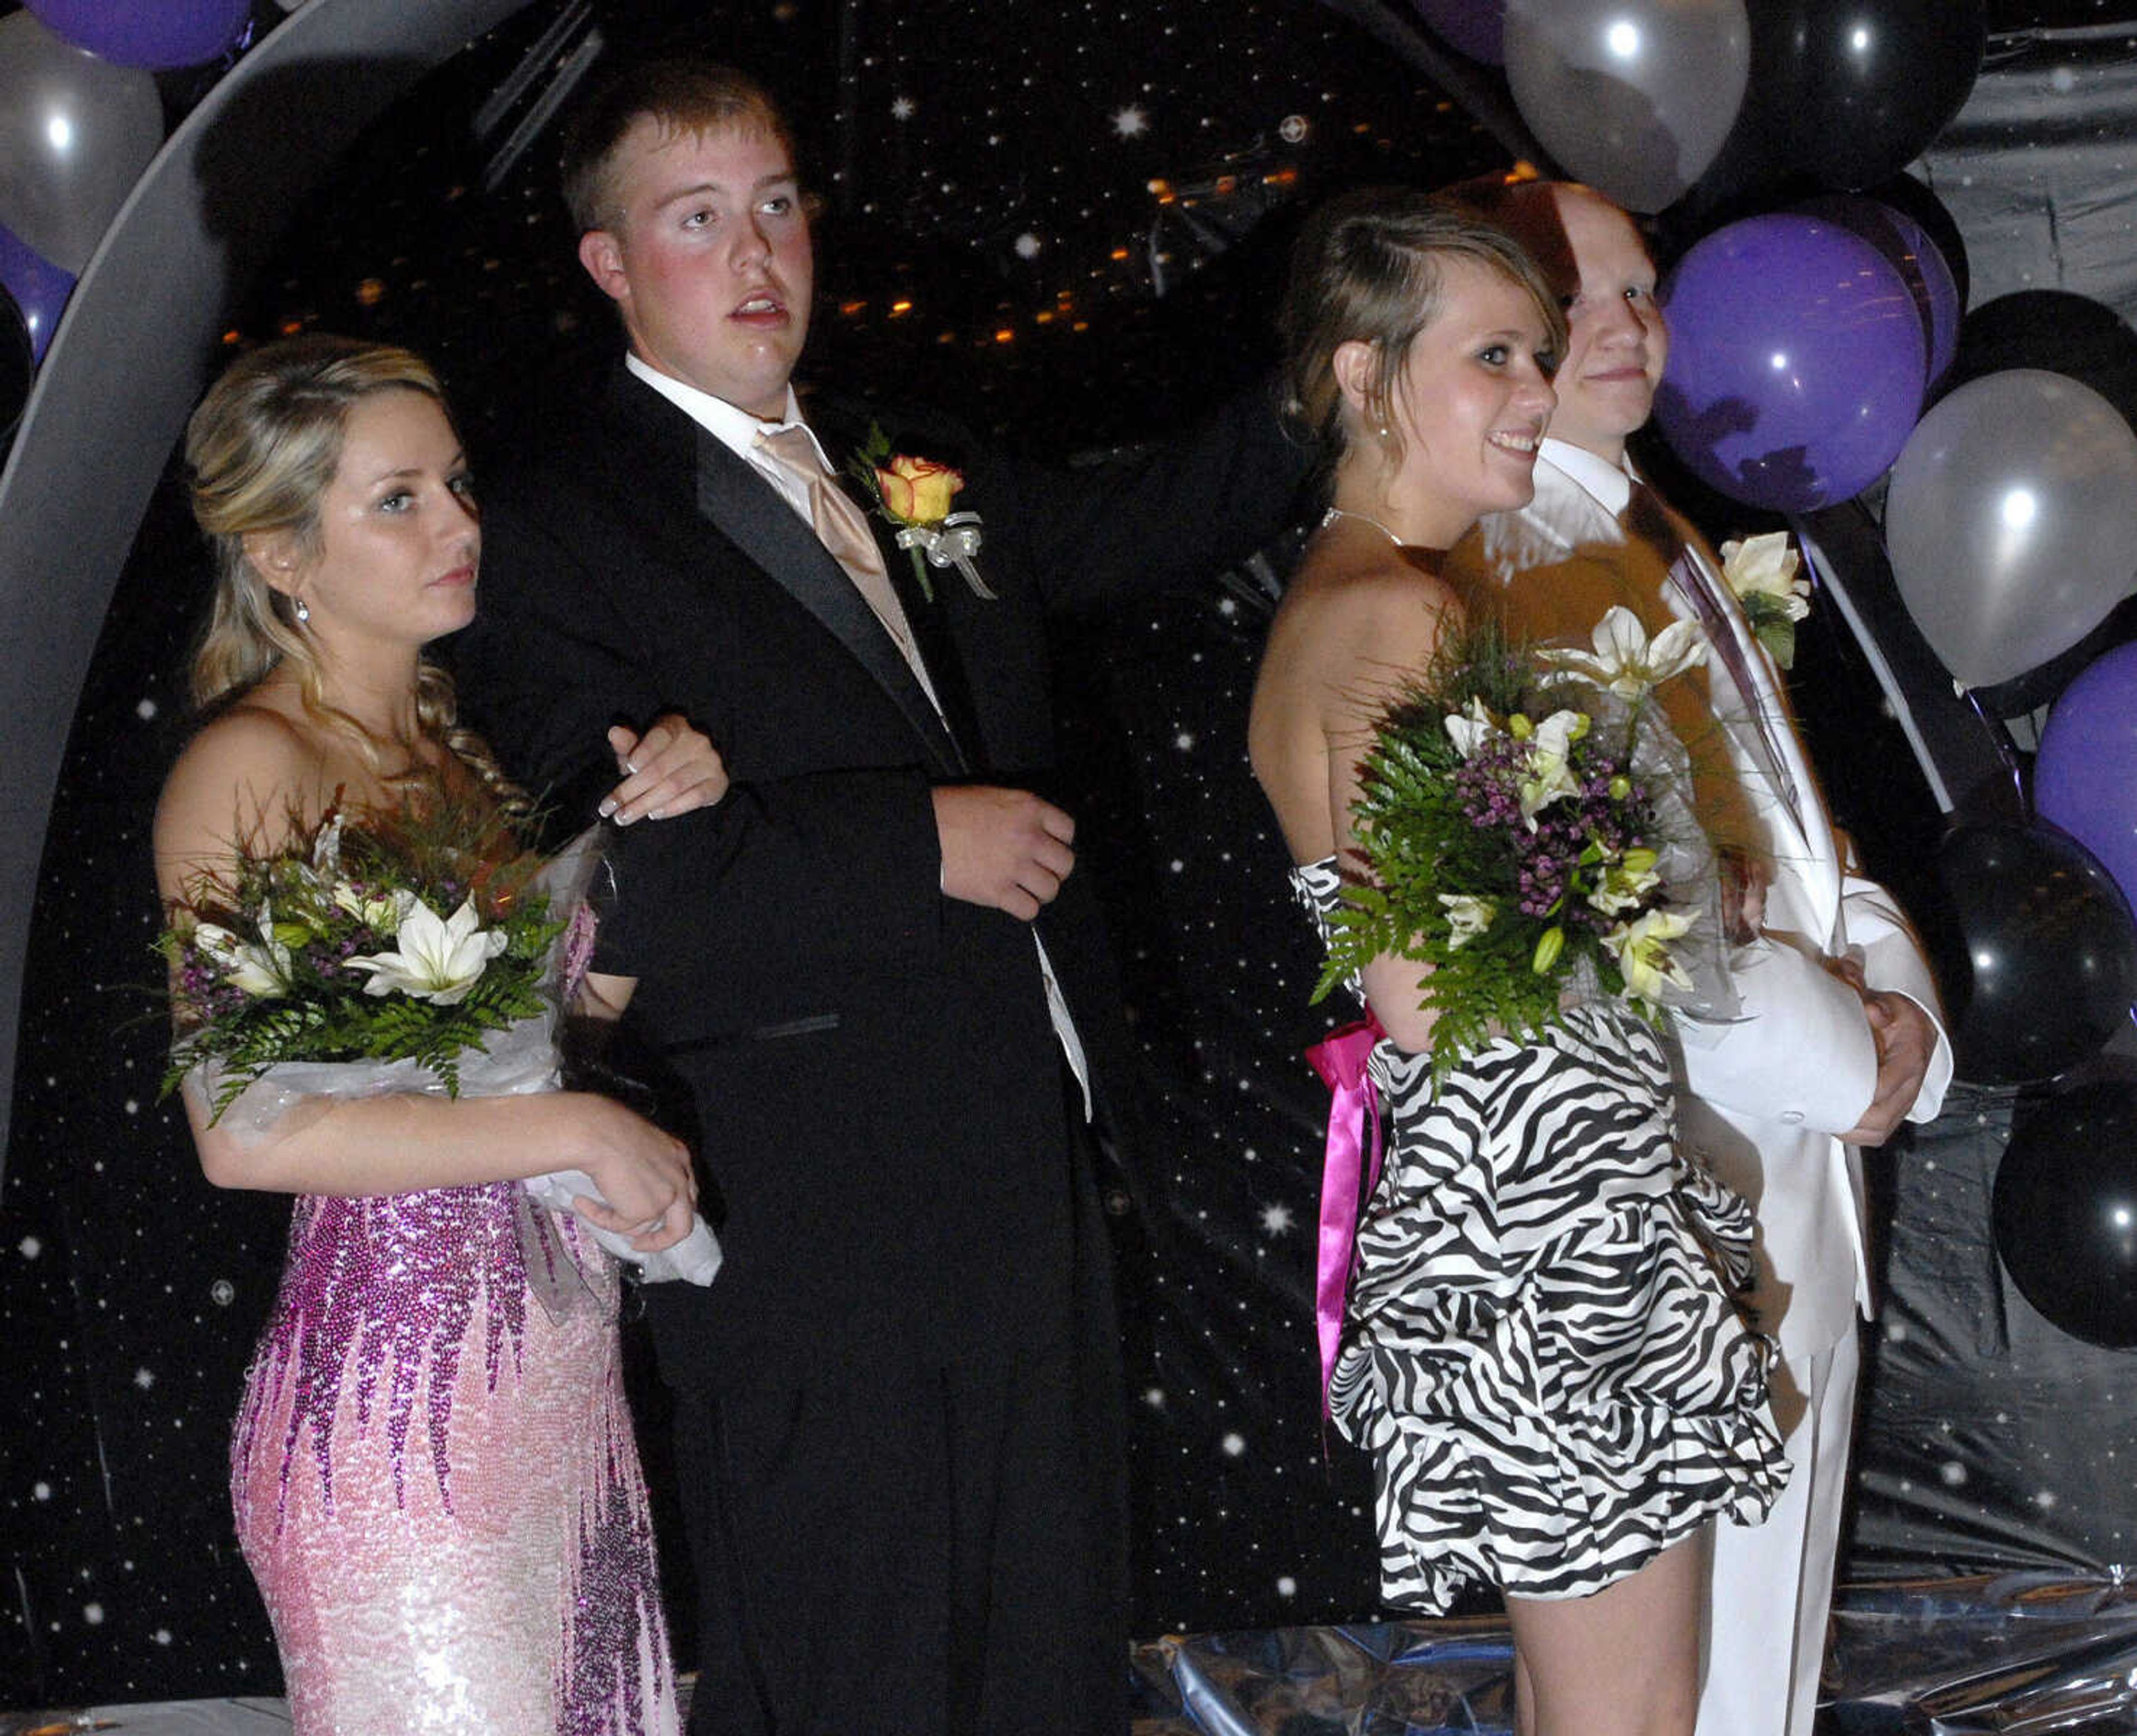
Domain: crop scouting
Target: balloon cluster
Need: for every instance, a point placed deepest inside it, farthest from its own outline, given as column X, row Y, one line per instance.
column 1809, row 341
column 80, row 118
column 1808, row 338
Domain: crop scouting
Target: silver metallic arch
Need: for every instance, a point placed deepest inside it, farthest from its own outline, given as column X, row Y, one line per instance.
column 134, row 351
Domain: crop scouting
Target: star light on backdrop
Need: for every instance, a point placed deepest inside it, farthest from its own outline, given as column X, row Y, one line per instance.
column 1067, row 224
column 993, row 243
column 996, row 187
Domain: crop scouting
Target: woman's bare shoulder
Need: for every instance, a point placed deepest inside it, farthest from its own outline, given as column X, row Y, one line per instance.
column 1375, row 608
column 244, row 779
column 1381, row 583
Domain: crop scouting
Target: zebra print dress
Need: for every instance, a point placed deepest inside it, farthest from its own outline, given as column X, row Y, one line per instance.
column 1538, row 1350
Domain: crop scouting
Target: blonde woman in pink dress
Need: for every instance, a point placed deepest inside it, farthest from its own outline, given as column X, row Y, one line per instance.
column 435, row 1480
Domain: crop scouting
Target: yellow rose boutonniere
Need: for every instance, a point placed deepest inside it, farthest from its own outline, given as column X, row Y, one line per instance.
column 917, row 490
column 914, row 493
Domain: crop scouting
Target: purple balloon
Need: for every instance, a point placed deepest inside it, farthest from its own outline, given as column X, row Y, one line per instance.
column 1919, row 261
column 2082, row 779
column 40, row 288
column 157, row 34
column 1475, row 27
column 1797, row 363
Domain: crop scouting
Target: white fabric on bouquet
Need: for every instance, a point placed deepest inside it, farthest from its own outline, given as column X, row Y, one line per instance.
column 519, row 1061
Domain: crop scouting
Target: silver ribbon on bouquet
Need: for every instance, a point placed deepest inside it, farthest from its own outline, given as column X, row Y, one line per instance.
column 952, row 542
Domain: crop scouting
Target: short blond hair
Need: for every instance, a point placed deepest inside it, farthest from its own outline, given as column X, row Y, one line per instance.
column 679, row 94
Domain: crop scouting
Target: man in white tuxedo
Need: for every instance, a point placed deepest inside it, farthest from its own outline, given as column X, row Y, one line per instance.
column 1839, row 1038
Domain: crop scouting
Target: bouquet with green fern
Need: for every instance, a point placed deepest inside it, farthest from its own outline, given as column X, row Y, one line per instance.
column 1525, row 829
column 410, row 937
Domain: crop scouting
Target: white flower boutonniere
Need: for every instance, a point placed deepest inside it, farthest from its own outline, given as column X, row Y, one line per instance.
column 1765, row 575
column 914, row 495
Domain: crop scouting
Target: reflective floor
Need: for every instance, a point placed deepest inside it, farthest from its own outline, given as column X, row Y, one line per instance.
column 2021, row 1653
column 2030, row 1653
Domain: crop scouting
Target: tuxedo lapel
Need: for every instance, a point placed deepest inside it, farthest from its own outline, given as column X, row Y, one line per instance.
column 929, row 617
column 1746, row 701
column 748, row 512
column 1775, row 752
column 844, row 429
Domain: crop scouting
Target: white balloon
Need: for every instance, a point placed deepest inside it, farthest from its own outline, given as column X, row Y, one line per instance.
column 2011, row 521
column 1634, row 97
column 76, row 132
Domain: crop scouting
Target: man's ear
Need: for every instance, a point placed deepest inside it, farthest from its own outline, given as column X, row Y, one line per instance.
column 1354, row 363
column 602, row 256
column 275, row 557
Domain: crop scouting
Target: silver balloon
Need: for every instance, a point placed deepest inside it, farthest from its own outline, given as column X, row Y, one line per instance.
column 1634, row 97
column 76, row 132
column 2011, row 521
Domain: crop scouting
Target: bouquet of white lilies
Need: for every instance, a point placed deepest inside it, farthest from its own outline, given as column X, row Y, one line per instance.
column 405, row 938
column 1524, row 829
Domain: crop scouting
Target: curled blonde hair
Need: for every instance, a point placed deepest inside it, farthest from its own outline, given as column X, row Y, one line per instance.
column 1369, row 266
column 260, row 450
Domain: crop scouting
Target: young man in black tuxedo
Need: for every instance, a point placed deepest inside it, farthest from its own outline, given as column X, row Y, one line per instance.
column 898, row 1416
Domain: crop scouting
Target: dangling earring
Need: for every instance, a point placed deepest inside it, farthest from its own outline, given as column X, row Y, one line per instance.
column 304, row 612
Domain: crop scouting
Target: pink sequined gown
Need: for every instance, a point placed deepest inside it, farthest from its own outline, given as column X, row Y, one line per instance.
column 436, row 1483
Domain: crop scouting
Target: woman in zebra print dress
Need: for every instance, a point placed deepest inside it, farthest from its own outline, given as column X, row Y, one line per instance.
column 1557, row 1392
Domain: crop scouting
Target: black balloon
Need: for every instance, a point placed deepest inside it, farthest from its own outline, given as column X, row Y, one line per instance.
column 1867, row 83
column 2055, row 329
column 1842, row 96
column 1912, row 198
column 2038, row 966
column 2065, row 1211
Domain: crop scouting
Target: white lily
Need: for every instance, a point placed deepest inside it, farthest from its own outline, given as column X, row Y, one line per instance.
column 1467, row 916
column 1765, row 567
column 1549, row 768
column 259, row 968
column 1641, row 950
column 436, row 959
column 1625, row 660
column 1471, row 728
column 385, row 912
column 1625, row 882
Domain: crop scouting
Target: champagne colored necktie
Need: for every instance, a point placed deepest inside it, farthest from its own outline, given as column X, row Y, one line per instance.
column 843, row 528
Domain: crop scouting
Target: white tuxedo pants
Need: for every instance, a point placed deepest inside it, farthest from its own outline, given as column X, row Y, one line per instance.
column 1773, row 1583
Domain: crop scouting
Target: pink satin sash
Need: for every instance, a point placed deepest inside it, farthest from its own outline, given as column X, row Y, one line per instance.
column 1340, row 1059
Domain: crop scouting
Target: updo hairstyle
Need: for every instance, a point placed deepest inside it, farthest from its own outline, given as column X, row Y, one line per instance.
column 1369, row 265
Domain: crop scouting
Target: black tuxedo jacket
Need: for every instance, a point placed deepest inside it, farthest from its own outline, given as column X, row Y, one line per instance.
column 876, row 1081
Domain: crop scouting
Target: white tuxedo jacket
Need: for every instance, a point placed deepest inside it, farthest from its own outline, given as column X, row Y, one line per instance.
column 1766, row 1093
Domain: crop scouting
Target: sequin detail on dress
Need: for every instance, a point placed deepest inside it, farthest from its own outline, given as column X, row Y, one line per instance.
column 495, row 1570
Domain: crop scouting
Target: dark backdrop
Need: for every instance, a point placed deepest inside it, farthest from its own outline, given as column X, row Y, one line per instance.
column 1082, row 211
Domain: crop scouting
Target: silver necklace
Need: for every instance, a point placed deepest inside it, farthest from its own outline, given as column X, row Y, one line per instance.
column 1334, row 513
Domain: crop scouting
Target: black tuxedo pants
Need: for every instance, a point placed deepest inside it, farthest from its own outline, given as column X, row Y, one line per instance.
column 916, row 1547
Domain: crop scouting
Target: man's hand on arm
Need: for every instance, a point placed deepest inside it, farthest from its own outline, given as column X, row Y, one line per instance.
column 1906, row 1039
column 1004, row 848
